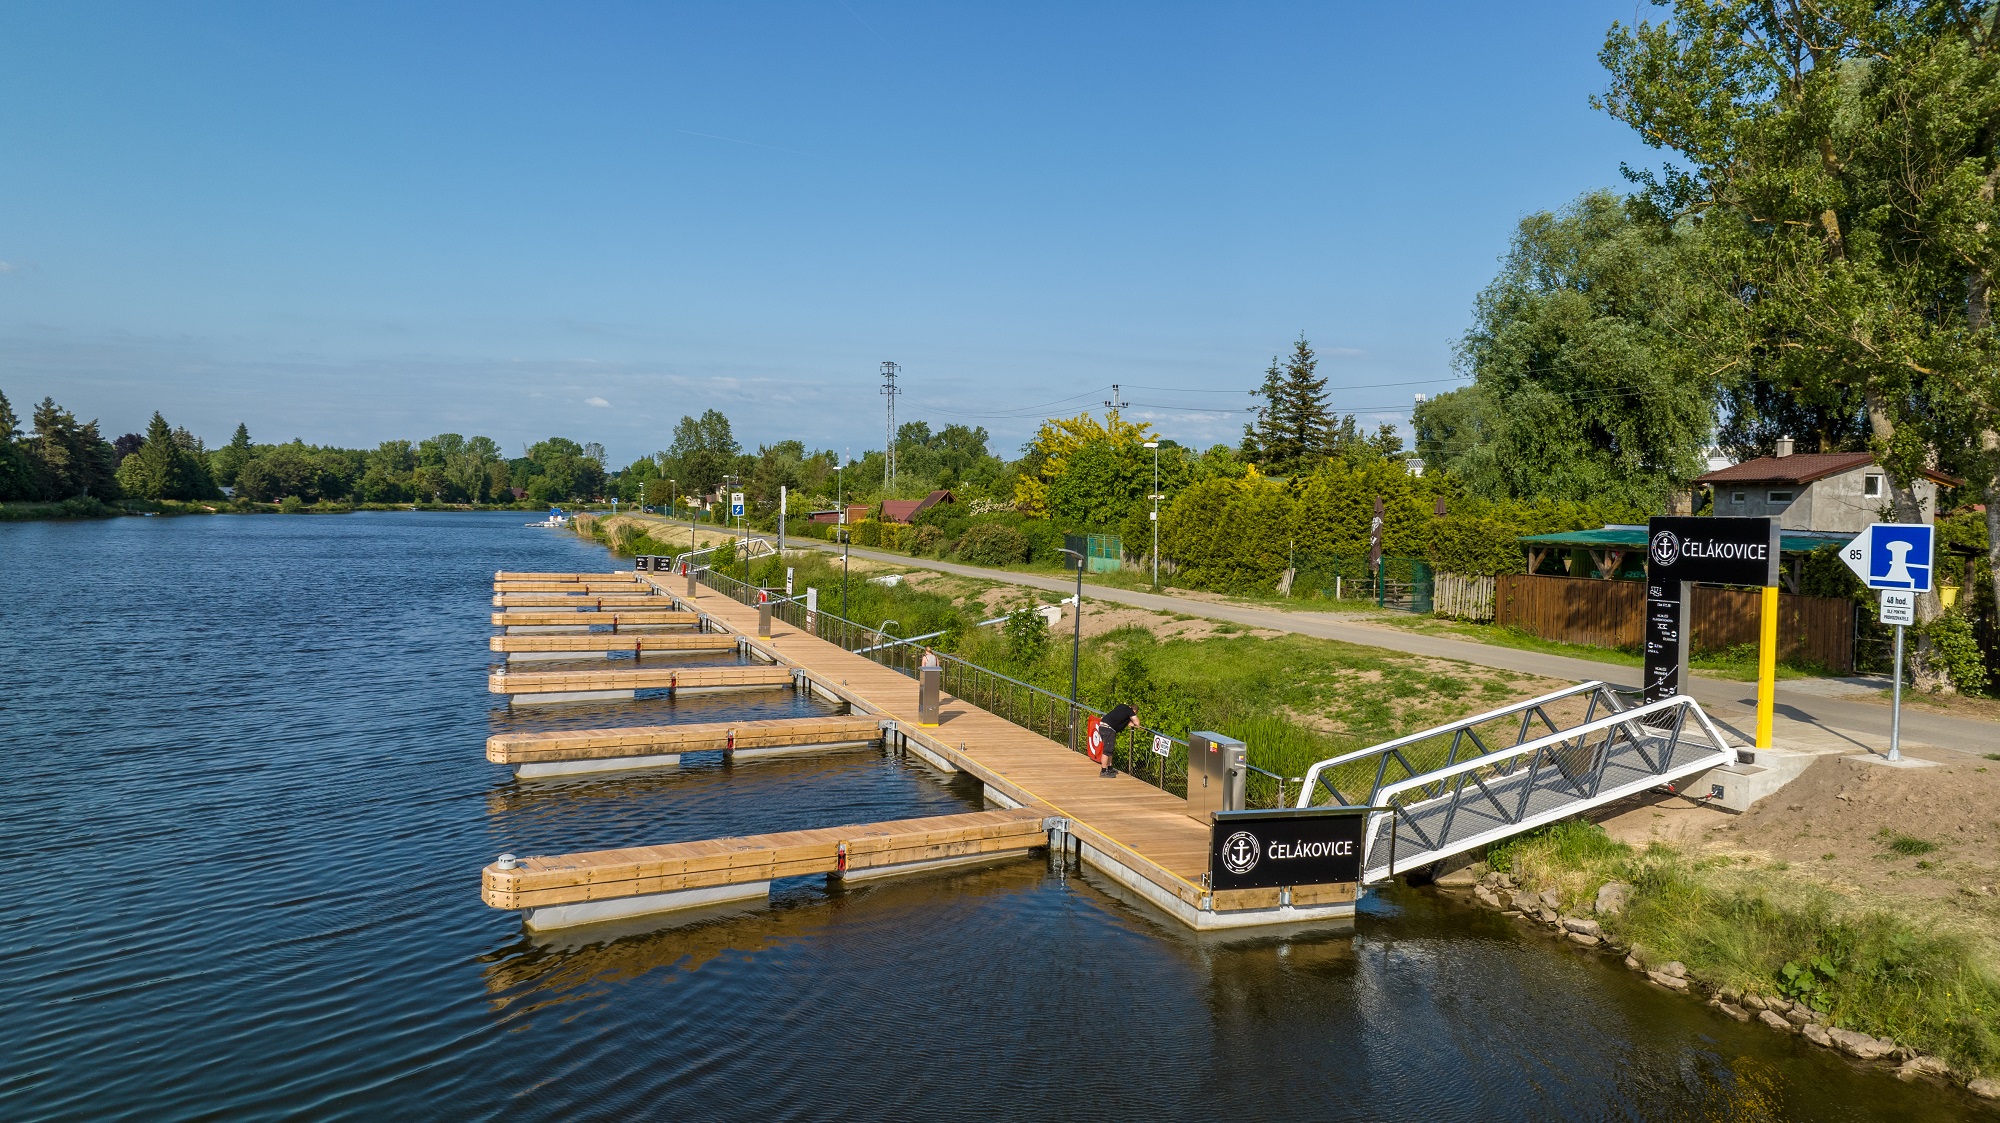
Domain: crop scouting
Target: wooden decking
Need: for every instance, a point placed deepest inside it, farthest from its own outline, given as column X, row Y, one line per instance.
column 639, row 643
column 634, row 678
column 662, row 617
column 568, row 587
column 575, row 600
column 677, row 867
column 567, row 578
column 643, row 740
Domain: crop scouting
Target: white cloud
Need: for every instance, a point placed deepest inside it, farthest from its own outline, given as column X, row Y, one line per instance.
column 600, row 403
column 9, row 267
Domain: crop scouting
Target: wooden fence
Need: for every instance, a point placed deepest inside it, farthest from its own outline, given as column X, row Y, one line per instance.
column 1599, row 613
column 1467, row 598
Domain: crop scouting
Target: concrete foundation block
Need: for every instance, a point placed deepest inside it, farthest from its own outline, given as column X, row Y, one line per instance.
column 591, row 912
column 608, row 764
column 570, row 696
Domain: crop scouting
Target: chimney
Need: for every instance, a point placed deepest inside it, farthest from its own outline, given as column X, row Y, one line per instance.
column 1784, row 446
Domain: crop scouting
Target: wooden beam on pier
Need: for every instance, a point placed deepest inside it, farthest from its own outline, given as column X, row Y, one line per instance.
column 506, row 575
column 603, row 875
column 579, row 587
column 635, row 678
column 650, row 740
column 578, row 600
column 591, row 642
column 666, row 615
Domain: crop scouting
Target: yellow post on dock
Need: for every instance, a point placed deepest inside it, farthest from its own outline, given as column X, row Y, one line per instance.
column 1767, row 665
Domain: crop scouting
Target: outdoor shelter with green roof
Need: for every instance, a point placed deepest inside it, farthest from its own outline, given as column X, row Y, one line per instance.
column 1619, row 550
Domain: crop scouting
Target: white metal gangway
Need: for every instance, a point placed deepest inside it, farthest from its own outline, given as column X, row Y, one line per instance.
column 748, row 549
column 1453, row 788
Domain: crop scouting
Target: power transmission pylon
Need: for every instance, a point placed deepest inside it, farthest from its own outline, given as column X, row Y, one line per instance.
column 889, row 391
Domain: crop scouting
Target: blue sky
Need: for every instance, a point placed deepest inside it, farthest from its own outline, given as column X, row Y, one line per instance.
column 354, row 222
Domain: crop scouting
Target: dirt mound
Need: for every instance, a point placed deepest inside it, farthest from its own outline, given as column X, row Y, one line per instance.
column 1921, row 831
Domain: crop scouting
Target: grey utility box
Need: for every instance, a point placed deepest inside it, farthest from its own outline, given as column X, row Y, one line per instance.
column 764, row 619
column 691, row 592
column 930, row 684
column 1218, row 766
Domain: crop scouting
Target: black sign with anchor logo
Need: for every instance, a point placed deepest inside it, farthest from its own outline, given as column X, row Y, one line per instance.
column 1268, row 849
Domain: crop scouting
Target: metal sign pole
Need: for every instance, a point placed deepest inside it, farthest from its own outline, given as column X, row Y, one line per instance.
column 1896, row 702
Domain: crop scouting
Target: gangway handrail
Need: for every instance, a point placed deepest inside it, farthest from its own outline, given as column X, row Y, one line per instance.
column 1459, row 726
column 1640, row 724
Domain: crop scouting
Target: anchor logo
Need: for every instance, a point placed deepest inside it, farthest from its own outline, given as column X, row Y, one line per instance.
column 1240, row 852
column 1666, row 548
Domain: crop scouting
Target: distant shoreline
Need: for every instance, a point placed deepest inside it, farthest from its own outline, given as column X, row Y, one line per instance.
column 75, row 509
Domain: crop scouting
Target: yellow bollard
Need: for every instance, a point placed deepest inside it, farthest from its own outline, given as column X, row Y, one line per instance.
column 1767, row 666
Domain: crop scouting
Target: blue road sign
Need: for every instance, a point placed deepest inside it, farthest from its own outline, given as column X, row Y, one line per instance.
column 1893, row 556
column 735, row 504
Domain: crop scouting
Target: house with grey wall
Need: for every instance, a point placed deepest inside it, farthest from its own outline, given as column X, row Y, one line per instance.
column 1830, row 492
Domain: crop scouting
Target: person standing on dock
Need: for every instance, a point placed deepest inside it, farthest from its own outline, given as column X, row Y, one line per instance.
column 931, row 658
column 1104, row 736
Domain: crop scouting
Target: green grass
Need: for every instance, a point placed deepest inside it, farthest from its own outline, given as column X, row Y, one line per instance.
column 1881, row 972
column 1908, row 846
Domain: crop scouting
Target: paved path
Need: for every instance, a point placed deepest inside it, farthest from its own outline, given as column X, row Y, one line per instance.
column 1805, row 718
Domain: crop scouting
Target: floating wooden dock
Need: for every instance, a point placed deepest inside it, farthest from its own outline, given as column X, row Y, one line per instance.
column 579, row 587
column 611, row 684
column 573, row 645
column 568, row 751
column 599, row 885
column 576, row 600
column 615, row 575
column 1138, row 835
column 662, row 617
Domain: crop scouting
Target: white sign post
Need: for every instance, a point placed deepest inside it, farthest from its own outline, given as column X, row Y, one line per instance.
column 1896, row 558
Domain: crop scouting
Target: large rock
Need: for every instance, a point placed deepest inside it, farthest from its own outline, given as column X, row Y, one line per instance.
column 1585, row 939
column 1675, row 968
column 1527, row 902
column 1488, row 897
column 1671, row 982
column 1985, row 1089
column 1799, row 1014
column 1551, row 899
column 1582, row 926
column 1755, row 1002
column 1921, row 1065
column 1776, row 1021
column 1817, row 1035
column 1611, row 898
column 1734, row 1011
column 1861, row 1045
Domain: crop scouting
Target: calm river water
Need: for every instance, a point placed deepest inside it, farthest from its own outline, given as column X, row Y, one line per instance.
column 246, row 804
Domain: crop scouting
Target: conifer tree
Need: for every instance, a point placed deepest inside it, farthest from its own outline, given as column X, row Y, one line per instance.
column 1294, row 428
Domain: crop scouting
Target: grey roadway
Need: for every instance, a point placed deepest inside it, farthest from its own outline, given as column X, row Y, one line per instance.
column 1859, row 724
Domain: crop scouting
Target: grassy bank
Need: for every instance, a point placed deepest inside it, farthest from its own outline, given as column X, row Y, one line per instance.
column 1907, row 973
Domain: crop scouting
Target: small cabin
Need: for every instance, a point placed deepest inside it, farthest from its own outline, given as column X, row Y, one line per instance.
column 1818, row 492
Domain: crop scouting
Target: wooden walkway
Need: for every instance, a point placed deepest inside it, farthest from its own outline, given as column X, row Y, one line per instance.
column 639, row 643
column 634, row 678
column 662, row 617
column 1138, row 826
column 622, row 880
column 647, row 740
column 575, row 600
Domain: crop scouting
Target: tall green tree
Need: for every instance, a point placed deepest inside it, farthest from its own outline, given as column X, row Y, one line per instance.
column 17, row 471
column 1294, row 427
column 70, row 459
column 228, row 460
column 1840, row 161
column 1584, row 387
column 168, row 465
column 704, row 449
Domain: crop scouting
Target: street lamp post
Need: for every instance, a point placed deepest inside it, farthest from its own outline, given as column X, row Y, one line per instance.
column 844, row 536
column 1075, row 645
column 1155, row 446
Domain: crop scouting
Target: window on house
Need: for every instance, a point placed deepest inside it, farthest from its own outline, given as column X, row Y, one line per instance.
column 1736, row 497
column 1871, row 486
column 1781, row 497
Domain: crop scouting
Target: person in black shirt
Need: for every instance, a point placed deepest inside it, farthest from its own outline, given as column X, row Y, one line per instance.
column 1121, row 718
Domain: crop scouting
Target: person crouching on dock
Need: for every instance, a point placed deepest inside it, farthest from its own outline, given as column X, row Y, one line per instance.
column 1104, row 736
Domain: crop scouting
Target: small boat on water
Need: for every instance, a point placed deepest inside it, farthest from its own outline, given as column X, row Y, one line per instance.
column 556, row 520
